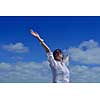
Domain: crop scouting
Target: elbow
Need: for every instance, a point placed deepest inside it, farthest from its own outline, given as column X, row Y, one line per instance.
column 47, row 50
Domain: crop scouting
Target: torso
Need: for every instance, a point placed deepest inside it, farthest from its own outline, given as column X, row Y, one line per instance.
column 60, row 73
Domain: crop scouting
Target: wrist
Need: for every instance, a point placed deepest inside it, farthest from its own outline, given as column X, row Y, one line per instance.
column 40, row 39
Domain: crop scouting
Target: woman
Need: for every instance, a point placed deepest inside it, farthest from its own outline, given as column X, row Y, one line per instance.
column 57, row 62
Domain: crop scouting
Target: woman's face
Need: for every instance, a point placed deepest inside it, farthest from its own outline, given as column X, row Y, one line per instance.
column 59, row 56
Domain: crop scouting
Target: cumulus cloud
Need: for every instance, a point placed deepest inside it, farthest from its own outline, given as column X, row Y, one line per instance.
column 25, row 72
column 41, row 72
column 88, row 52
column 86, row 58
column 85, row 74
column 88, row 44
column 18, row 47
column 4, row 65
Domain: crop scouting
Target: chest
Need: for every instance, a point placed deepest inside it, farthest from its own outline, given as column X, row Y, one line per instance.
column 61, row 68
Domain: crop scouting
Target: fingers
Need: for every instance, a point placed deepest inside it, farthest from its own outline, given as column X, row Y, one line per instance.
column 34, row 33
column 31, row 31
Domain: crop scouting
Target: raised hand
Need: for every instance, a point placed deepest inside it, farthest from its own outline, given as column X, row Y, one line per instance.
column 35, row 34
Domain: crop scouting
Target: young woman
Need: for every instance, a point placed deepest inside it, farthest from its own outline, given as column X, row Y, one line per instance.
column 60, row 71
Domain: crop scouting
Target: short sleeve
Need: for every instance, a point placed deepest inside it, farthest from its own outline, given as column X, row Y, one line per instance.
column 51, row 59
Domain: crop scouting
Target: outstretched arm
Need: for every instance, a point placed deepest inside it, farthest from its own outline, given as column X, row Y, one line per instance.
column 36, row 35
column 66, row 59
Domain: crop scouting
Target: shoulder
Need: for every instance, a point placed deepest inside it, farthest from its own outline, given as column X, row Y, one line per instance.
column 49, row 53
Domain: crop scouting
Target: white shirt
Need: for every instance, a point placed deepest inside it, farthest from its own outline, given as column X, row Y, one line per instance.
column 59, row 70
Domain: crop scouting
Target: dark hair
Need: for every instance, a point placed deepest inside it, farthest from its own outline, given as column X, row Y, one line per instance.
column 56, row 52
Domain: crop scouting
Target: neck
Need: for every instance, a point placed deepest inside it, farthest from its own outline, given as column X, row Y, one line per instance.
column 59, row 60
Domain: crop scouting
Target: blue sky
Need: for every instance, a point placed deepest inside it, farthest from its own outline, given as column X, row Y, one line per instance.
column 20, row 50
column 58, row 32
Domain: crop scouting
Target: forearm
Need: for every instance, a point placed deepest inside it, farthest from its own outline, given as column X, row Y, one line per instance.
column 66, row 59
column 40, row 40
column 44, row 45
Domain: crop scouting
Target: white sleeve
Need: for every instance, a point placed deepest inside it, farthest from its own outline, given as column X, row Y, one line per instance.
column 66, row 60
column 51, row 59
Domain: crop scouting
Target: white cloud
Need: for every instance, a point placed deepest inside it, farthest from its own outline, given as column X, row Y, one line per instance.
column 81, row 73
column 88, row 44
column 88, row 52
column 25, row 72
column 4, row 65
column 41, row 72
column 18, row 47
